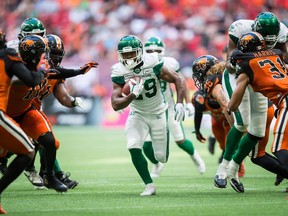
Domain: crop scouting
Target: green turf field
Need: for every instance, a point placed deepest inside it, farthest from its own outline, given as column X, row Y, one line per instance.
column 109, row 184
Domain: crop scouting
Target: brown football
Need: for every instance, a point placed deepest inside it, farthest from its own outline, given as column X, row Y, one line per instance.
column 126, row 89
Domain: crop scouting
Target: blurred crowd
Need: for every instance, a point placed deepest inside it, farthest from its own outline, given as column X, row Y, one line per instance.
column 91, row 29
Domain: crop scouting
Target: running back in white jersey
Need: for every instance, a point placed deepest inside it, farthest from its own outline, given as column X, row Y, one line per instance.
column 151, row 99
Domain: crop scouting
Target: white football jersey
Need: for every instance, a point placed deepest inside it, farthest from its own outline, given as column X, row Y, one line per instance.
column 171, row 64
column 240, row 27
column 151, row 99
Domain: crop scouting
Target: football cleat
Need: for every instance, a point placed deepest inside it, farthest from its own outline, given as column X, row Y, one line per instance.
column 149, row 190
column 198, row 161
column 156, row 170
column 278, row 180
column 64, row 178
column 54, row 183
column 220, row 181
column 237, row 185
column 34, row 178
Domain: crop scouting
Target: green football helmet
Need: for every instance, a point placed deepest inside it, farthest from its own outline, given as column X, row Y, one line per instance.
column 130, row 51
column 31, row 48
column 31, row 26
column 155, row 44
column 268, row 25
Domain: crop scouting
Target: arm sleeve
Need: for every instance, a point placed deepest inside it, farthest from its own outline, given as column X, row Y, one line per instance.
column 197, row 120
column 63, row 73
column 30, row 78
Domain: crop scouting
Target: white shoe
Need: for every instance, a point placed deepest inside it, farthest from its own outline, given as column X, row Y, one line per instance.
column 200, row 164
column 150, row 190
column 156, row 169
column 34, row 178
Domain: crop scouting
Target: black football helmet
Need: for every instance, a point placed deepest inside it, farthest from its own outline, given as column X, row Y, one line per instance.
column 31, row 47
column 252, row 41
column 56, row 48
column 2, row 40
column 200, row 67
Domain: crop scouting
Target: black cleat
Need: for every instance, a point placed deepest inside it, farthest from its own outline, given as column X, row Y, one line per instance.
column 278, row 180
column 64, row 178
column 211, row 145
column 237, row 185
column 220, row 181
column 54, row 183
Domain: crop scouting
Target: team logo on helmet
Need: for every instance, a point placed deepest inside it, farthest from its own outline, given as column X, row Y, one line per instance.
column 202, row 64
column 245, row 40
column 26, row 44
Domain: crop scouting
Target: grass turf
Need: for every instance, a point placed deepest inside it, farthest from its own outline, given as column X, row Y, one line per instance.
column 109, row 184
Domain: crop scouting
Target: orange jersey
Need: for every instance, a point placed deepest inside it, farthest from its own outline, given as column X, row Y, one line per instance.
column 21, row 96
column 266, row 71
column 45, row 90
column 220, row 125
column 6, row 62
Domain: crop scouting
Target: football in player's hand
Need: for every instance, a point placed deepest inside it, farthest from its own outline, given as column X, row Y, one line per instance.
column 126, row 89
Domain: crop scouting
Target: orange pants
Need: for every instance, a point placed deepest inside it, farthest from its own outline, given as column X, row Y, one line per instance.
column 220, row 128
column 13, row 137
column 35, row 124
column 280, row 132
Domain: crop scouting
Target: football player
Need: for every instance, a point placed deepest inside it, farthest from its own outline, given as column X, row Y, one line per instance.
column 58, row 88
column 29, row 27
column 16, row 140
column 148, row 109
column 207, row 75
column 252, row 112
column 155, row 44
column 264, row 70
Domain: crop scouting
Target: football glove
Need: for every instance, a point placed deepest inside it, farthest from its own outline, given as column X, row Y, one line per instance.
column 190, row 109
column 136, row 86
column 179, row 112
column 86, row 68
column 77, row 102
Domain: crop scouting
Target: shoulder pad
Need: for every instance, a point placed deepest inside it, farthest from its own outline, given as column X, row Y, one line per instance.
column 240, row 27
column 198, row 100
column 117, row 73
column 13, row 44
column 171, row 63
column 283, row 34
column 118, row 70
column 13, row 55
